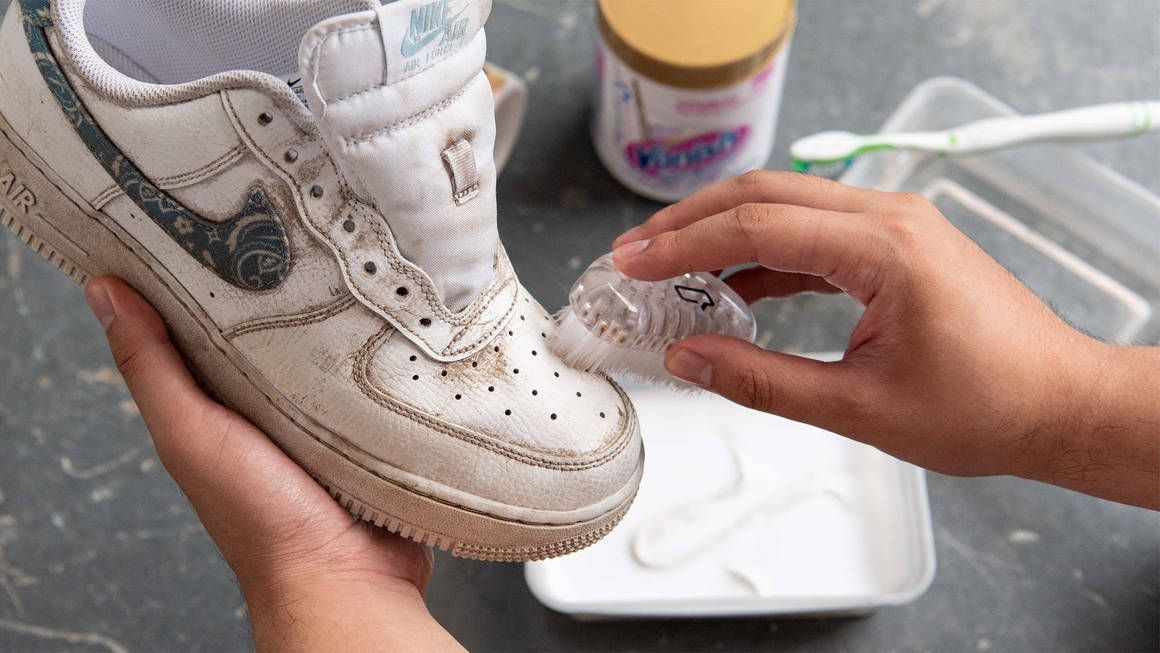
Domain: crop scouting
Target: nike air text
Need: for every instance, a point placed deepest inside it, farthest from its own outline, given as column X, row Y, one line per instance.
column 15, row 192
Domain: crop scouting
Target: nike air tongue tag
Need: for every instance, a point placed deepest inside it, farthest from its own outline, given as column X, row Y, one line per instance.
column 418, row 34
column 408, row 117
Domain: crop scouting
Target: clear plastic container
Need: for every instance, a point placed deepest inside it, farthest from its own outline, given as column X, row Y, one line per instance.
column 1081, row 236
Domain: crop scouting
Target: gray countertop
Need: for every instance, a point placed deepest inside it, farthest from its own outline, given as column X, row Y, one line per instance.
column 100, row 551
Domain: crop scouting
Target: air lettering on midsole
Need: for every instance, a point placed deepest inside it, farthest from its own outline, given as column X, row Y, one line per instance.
column 17, row 193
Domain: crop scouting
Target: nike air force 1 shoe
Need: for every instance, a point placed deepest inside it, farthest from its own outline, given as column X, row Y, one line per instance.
column 305, row 189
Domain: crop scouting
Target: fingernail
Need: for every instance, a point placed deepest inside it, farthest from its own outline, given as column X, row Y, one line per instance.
column 101, row 303
column 626, row 253
column 627, row 236
column 690, row 366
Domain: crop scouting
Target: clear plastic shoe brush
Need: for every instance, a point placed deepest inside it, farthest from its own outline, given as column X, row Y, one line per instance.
column 617, row 324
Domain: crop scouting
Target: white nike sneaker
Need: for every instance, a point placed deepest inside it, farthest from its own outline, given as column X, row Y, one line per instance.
column 328, row 262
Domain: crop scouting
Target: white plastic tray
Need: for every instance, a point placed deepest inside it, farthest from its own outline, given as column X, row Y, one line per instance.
column 860, row 539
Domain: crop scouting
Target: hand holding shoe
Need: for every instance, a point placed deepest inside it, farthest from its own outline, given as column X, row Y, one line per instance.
column 315, row 577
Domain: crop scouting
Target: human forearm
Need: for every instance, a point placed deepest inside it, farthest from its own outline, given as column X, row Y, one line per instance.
column 343, row 615
column 1107, row 443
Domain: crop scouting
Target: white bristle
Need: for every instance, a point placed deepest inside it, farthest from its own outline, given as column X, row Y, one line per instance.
column 582, row 349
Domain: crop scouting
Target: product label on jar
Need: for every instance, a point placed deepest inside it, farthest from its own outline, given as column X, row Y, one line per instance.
column 670, row 160
column 666, row 142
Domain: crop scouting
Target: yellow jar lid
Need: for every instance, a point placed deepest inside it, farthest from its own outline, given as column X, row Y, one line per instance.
column 696, row 43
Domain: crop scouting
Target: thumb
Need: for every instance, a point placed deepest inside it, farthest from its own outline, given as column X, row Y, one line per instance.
column 797, row 388
column 236, row 478
column 156, row 375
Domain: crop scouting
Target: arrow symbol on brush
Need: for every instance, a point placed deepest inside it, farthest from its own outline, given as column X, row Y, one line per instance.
column 695, row 296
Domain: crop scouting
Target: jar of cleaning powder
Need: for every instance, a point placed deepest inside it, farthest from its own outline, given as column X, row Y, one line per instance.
column 688, row 90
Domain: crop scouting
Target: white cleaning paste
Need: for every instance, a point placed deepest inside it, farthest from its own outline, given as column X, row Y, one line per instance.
column 676, row 538
column 688, row 92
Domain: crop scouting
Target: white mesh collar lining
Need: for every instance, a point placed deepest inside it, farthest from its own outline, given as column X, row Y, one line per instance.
column 193, row 47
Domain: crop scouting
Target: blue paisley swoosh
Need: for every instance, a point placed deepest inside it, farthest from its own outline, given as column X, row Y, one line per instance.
column 250, row 251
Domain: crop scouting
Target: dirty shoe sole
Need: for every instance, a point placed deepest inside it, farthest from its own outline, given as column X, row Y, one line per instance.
column 51, row 218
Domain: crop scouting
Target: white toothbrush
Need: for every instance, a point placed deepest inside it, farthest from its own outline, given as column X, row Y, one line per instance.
column 828, row 153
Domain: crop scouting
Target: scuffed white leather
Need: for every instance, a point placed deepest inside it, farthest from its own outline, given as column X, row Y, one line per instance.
column 332, row 345
column 315, row 279
column 49, row 131
column 553, row 407
column 420, row 314
column 489, row 471
column 388, row 140
column 197, row 132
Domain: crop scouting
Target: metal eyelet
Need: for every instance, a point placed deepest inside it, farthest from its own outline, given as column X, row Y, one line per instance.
column 370, row 267
column 265, row 118
column 317, row 192
column 291, row 156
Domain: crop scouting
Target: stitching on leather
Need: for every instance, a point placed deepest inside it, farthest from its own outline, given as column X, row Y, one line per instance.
column 106, row 196
column 466, row 191
column 304, row 214
column 489, row 333
column 357, row 139
column 557, row 548
column 286, row 321
column 482, row 303
column 291, row 418
column 432, row 297
column 233, row 155
column 561, row 460
column 352, row 96
column 386, row 240
column 316, row 53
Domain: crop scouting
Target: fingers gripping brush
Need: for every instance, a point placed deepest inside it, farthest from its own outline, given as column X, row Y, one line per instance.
column 617, row 324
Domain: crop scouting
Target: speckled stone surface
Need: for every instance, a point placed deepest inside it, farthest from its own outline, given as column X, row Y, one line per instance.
column 99, row 551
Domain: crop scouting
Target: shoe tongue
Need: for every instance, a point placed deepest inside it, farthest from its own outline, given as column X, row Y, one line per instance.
column 401, row 100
